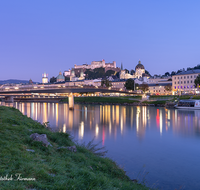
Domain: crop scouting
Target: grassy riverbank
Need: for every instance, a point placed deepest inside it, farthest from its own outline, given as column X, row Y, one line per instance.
column 52, row 168
column 116, row 100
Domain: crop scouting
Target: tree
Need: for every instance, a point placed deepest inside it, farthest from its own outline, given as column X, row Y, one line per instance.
column 173, row 73
column 52, row 79
column 126, row 70
column 106, row 83
column 168, row 87
column 144, row 87
column 110, row 72
column 147, row 72
column 67, row 78
column 132, row 71
column 130, row 84
column 167, row 74
column 197, row 81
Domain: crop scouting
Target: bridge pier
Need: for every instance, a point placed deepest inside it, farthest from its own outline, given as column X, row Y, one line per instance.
column 71, row 101
column 9, row 99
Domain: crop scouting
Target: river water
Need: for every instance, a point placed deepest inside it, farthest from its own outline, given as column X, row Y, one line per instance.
column 160, row 147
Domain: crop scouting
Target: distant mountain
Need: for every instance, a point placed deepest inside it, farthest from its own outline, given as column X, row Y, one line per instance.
column 15, row 81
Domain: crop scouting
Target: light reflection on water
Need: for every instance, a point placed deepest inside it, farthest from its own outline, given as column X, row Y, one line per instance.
column 166, row 141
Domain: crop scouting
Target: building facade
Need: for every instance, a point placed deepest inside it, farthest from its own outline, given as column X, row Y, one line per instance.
column 60, row 77
column 184, row 82
column 96, row 64
column 44, row 78
column 139, row 72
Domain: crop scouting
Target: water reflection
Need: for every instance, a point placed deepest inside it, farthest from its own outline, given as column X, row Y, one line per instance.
column 111, row 120
column 165, row 140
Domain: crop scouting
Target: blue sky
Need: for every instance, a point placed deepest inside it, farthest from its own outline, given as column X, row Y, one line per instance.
column 49, row 36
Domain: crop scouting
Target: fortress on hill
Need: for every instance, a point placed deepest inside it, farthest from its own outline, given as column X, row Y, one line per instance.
column 96, row 64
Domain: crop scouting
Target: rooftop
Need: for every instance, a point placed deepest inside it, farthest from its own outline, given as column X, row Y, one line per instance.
column 189, row 72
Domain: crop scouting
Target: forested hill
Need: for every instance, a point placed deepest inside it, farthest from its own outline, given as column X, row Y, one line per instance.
column 98, row 73
column 14, row 81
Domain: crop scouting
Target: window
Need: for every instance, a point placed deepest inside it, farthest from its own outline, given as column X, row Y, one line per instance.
column 178, row 77
column 184, row 86
column 188, row 81
column 188, row 77
column 181, row 77
column 175, row 87
column 159, row 90
column 174, row 77
column 174, row 82
column 184, row 82
column 191, row 81
column 178, row 82
column 181, row 82
column 184, row 77
column 191, row 76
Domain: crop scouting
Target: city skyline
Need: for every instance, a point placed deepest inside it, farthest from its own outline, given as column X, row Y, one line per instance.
column 48, row 36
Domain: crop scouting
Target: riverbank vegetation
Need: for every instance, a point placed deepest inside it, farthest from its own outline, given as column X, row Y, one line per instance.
column 51, row 167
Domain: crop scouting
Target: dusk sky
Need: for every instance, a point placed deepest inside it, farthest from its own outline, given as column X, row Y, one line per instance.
column 51, row 36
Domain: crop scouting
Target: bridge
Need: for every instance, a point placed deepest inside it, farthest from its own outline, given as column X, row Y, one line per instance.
column 31, row 90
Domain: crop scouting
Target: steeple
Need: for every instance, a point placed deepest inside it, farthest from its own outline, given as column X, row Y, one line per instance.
column 121, row 66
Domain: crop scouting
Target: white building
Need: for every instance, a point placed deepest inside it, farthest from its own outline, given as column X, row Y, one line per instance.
column 45, row 78
column 139, row 72
column 96, row 64
column 184, row 82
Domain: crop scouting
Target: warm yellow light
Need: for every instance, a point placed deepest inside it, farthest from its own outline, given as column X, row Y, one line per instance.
column 16, row 88
column 35, row 87
column 7, row 88
column 41, row 87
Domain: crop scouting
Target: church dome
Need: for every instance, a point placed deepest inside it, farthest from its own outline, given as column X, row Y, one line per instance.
column 139, row 66
column 60, row 76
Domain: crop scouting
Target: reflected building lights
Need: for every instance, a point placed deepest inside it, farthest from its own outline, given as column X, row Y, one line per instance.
column 56, row 114
column 64, row 127
column 36, row 107
column 117, row 114
column 161, row 120
column 45, row 112
column 81, row 130
column 131, row 117
column 144, row 116
column 96, row 130
column 121, row 124
column 110, row 126
column 85, row 113
column 23, row 108
column 137, row 118
column 33, row 110
column 113, row 113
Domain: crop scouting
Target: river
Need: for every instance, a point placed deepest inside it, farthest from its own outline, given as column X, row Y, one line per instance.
column 160, row 147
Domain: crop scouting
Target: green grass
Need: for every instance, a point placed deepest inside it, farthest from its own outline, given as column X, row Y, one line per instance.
column 155, row 102
column 51, row 167
column 120, row 100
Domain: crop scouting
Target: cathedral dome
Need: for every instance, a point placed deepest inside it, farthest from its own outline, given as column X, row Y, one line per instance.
column 60, row 76
column 139, row 66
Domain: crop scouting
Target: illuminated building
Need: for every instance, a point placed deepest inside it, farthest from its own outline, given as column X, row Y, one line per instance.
column 184, row 82
column 44, row 78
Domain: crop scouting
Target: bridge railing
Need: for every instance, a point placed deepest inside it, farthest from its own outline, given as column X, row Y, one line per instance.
column 32, row 88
